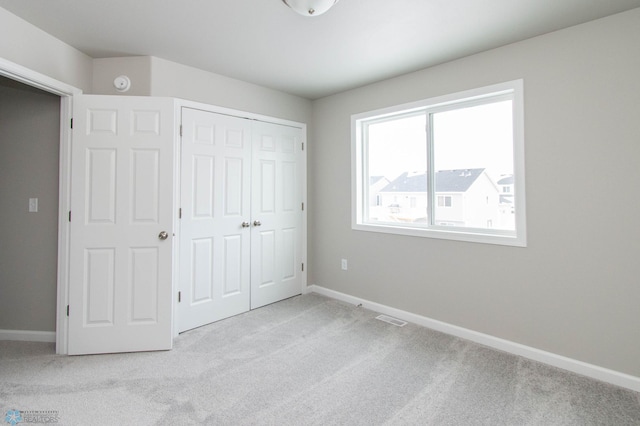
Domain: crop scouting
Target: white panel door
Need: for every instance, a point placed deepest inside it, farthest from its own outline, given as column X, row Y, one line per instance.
column 214, row 229
column 121, row 202
column 276, row 250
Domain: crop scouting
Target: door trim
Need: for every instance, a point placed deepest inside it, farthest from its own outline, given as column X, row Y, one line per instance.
column 66, row 92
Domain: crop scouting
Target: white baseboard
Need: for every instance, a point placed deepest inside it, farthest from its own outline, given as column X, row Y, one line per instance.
column 599, row 373
column 28, row 336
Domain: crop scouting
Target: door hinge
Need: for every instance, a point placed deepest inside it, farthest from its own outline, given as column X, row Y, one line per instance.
column 303, row 267
column 180, row 213
column 179, row 296
column 303, row 206
column 67, row 310
column 303, row 146
column 181, row 130
column 69, row 215
column 72, row 123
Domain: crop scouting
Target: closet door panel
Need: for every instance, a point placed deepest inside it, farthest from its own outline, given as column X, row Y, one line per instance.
column 276, row 251
column 215, row 202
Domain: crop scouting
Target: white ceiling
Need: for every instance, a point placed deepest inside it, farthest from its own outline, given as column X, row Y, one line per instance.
column 264, row 42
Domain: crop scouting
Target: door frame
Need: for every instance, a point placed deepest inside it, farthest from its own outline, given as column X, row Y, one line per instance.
column 66, row 92
column 302, row 157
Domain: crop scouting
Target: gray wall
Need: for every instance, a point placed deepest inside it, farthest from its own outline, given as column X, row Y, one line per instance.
column 137, row 68
column 29, row 168
column 151, row 76
column 575, row 289
column 29, row 147
column 29, row 46
column 180, row 81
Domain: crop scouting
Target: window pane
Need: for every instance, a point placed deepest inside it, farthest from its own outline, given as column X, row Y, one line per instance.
column 396, row 153
column 449, row 167
column 473, row 162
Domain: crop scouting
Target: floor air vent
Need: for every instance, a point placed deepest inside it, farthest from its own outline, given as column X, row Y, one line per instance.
column 391, row 320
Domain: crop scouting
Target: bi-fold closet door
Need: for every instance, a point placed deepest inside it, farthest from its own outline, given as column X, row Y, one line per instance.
column 241, row 215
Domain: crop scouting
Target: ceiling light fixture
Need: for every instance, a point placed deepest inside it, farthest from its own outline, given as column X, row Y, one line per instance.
column 310, row 7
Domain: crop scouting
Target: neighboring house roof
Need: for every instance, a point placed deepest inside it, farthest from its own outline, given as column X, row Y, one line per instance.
column 506, row 199
column 456, row 180
column 507, row 180
column 407, row 183
column 446, row 181
column 375, row 179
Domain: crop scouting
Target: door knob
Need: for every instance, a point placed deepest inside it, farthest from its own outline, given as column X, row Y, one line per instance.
column 246, row 224
column 163, row 235
column 256, row 223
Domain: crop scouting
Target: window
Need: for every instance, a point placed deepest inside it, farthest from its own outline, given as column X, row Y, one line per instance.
column 447, row 161
column 444, row 201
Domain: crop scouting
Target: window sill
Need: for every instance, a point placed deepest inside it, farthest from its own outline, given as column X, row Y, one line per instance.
column 447, row 234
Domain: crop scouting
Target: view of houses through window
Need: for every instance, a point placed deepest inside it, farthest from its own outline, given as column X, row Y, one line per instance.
column 463, row 152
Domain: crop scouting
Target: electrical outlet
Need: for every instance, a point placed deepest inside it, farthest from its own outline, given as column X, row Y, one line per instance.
column 344, row 264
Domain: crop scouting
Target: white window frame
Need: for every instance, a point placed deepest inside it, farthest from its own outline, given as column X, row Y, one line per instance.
column 513, row 89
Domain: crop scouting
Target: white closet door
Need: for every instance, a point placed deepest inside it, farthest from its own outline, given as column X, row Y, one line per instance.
column 276, row 251
column 121, row 206
column 215, row 202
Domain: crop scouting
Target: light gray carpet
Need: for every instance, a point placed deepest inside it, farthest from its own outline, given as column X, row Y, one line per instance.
column 307, row 361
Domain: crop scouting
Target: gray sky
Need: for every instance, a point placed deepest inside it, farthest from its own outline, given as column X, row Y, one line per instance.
column 476, row 137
